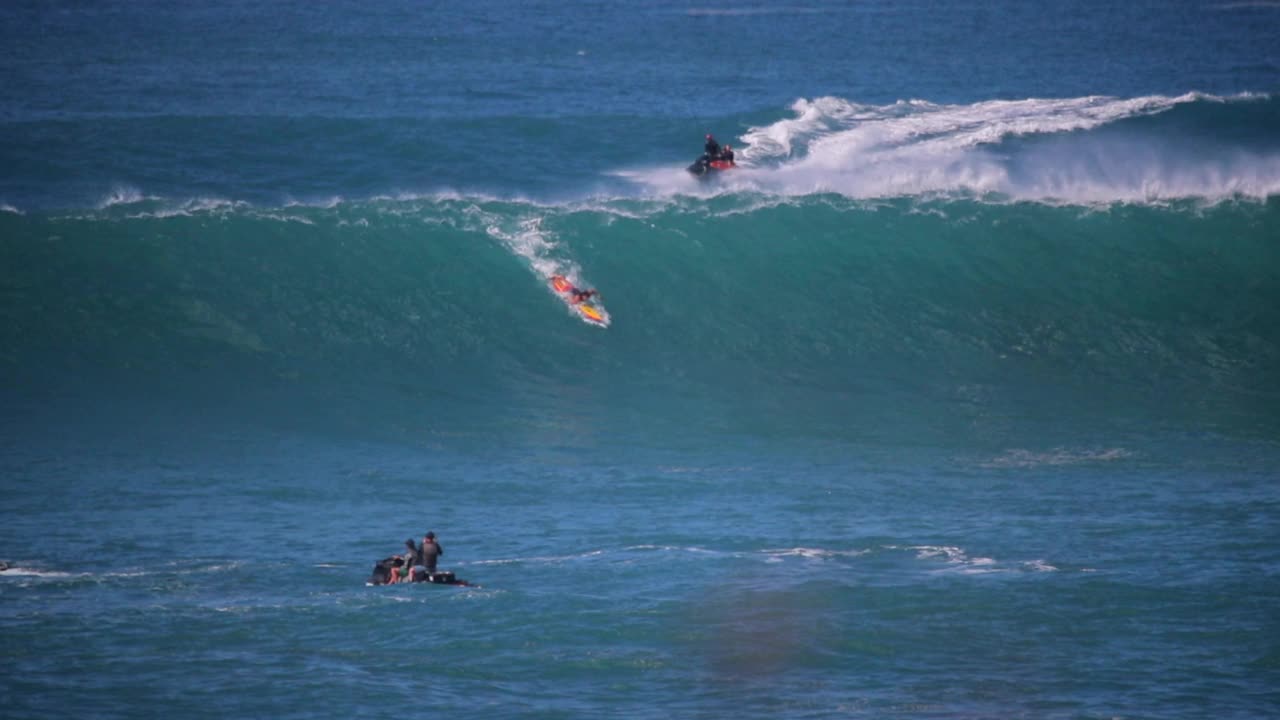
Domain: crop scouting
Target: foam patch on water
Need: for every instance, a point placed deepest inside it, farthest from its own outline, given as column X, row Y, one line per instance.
column 542, row 559
column 675, row 548
column 122, row 195
column 17, row 571
column 530, row 241
column 1020, row 458
column 955, row 559
column 812, row 553
column 752, row 11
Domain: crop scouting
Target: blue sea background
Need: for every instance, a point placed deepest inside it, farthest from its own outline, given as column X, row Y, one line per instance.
column 959, row 398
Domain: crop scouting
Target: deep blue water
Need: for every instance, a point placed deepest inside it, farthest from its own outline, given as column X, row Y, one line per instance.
column 960, row 397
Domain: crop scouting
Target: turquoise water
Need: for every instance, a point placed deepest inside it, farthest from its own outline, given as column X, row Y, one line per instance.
column 958, row 398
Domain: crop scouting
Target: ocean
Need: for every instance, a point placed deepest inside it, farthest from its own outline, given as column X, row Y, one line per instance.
column 959, row 397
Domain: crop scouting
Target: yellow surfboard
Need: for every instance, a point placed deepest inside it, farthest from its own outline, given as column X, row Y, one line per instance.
column 589, row 312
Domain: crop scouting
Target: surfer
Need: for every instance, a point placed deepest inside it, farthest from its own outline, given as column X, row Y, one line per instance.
column 578, row 296
column 727, row 154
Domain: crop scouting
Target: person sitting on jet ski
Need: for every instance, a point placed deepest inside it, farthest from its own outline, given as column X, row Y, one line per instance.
column 727, row 154
column 400, row 573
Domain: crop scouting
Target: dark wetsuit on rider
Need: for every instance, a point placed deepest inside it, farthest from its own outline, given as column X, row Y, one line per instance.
column 711, row 151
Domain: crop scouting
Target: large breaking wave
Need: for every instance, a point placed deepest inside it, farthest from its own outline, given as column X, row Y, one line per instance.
column 916, row 269
column 820, row 314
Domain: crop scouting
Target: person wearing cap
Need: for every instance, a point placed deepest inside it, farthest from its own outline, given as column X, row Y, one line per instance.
column 413, row 565
column 430, row 551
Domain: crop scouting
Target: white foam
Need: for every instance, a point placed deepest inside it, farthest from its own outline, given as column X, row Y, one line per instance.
column 746, row 11
column 326, row 203
column 33, row 572
column 529, row 241
column 675, row 548
column 957, row 560
column 1020, row 458
column 918, row 148
column 122, row 195
column 813, row 553
column 287, row 218
column 188, row 207
column 919, row 127
column 949, row 552
column 540, row 559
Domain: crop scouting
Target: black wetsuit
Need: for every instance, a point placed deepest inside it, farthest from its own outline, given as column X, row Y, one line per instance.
column 727, row 156
column 712, row 149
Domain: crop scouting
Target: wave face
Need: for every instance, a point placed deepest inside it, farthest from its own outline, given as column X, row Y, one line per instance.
column 914, row 272
column 817, row 316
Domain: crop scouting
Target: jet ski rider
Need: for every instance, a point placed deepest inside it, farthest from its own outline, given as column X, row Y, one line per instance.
column 711, row 151
column 430, row 551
